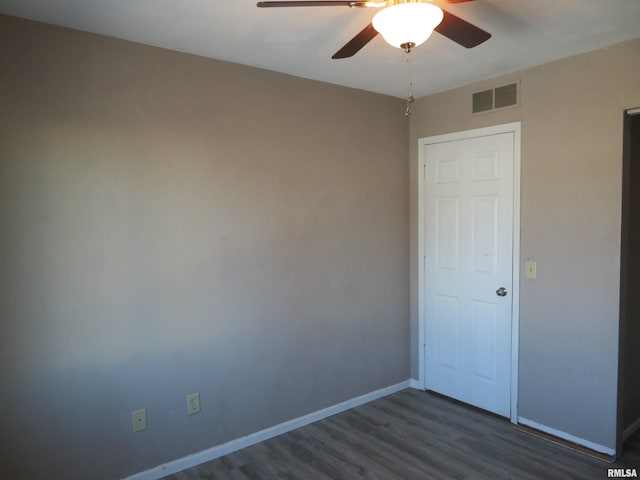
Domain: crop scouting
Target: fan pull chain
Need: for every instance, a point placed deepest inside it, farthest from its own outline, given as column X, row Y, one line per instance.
column 410, row 99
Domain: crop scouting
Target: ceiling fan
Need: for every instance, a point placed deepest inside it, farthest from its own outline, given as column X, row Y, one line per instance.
column 403, row 23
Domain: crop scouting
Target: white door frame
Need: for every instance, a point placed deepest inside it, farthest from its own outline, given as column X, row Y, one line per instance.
column 515, row 309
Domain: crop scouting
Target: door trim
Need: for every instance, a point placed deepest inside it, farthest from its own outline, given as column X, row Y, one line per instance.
column 515, row 308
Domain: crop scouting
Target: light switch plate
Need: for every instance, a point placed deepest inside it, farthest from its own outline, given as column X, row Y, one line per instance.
column 530, row 268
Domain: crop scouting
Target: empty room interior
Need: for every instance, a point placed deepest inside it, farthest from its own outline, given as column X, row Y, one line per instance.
column 213, row 235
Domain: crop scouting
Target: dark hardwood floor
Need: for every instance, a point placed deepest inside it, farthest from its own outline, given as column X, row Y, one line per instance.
column 409, row 435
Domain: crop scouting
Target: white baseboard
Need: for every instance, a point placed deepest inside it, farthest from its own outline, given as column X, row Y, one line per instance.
column 567, row 436
column 631, row 429
column 417, row 384
column 262, row 435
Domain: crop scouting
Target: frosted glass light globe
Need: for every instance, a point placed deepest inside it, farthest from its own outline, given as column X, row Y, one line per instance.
column 411, row 22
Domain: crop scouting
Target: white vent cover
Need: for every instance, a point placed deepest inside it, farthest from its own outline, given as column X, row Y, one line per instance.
column 495, row 98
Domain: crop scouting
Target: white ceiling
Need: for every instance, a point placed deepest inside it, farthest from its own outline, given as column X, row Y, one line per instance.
column 300, row 41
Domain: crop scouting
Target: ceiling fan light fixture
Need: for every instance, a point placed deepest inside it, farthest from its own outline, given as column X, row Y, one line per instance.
column 407, row 23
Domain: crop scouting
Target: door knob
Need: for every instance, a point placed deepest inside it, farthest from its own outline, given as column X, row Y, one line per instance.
column 501, row 292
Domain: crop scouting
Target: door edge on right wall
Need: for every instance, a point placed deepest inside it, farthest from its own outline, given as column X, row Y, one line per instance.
column 628, row 338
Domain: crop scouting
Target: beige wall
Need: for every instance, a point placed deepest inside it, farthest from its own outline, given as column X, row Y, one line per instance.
column 172, row 224
column 571, row 113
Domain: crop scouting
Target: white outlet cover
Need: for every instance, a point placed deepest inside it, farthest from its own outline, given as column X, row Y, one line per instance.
column 193, row 403
column 139, row 419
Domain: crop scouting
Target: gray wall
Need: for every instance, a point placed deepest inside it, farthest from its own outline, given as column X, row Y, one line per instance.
column 571, row 113
column 173, row 224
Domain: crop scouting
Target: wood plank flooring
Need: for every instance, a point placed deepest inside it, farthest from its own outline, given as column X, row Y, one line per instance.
column 409, row 435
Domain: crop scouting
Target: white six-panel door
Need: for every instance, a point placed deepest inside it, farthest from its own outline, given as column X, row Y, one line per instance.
column 468, row 247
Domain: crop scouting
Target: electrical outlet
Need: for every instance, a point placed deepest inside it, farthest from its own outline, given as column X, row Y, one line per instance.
column 139, row 418
column 193, row 403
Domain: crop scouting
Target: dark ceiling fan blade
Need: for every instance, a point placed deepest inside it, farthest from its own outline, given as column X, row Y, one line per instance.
column 312, row 3
column 356, row 43
column 461, row 31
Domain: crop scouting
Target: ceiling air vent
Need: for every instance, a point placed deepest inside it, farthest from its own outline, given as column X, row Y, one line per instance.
column 495, row 98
